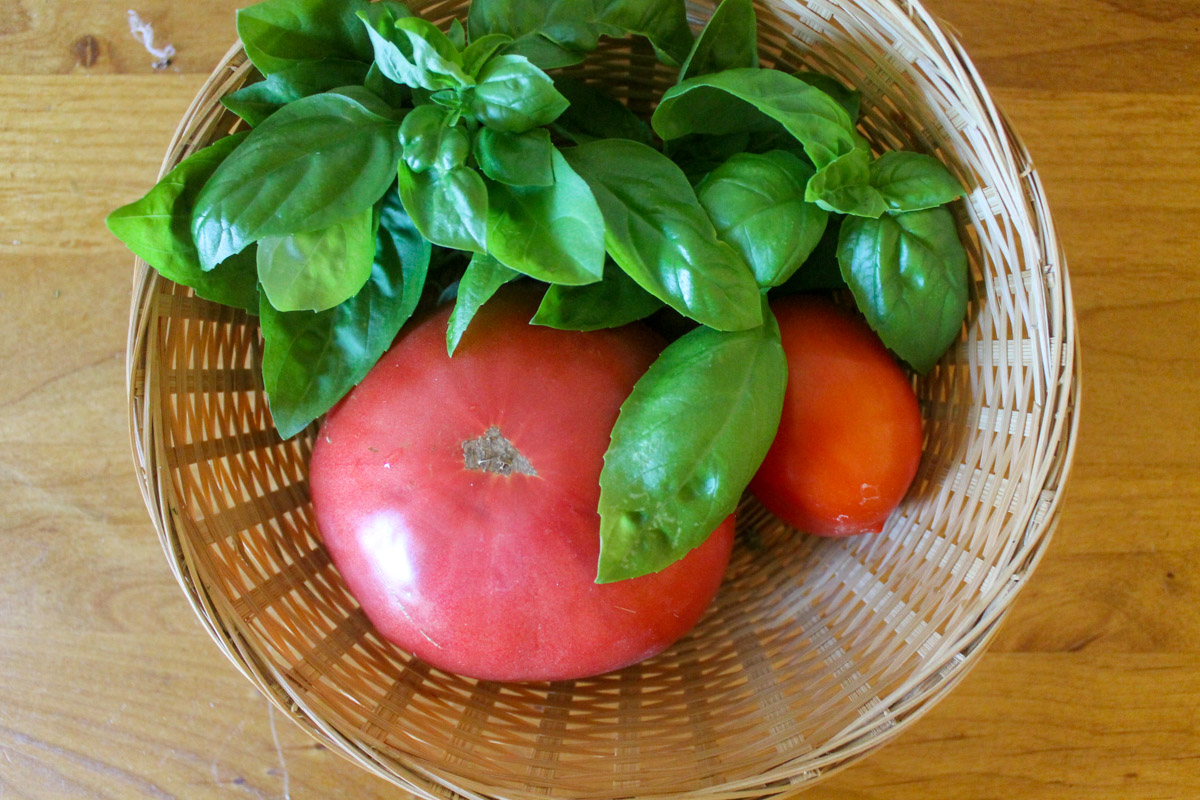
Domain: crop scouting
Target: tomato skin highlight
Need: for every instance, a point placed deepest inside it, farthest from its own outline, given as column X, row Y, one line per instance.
column 480, row 573
column 849, row 443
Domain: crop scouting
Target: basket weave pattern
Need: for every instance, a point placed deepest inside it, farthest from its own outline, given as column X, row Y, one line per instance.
column 815, row 651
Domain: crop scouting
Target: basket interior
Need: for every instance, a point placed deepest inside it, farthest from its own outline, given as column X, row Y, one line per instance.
column 813, row 652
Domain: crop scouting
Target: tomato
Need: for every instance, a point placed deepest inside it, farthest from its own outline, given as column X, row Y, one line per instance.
column 850, row 440
column 457, row 498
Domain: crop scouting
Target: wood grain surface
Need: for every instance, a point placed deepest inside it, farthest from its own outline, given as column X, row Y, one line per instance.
column 108, row 687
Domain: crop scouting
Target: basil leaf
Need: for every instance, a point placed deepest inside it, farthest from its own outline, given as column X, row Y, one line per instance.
column 394, row 94
column 821, row 271
column 401, row 250
column 553, row 233
column 449, row 207
column 428, row 141
column 843, row 185
column 613, row 301
column 310, row 361
column 379, row 21
column 908, row 273
column 594, row 114
column 847, row 98
column 483, row 278
column 414, row 52
column 314, row 162
column 457, row 34
column 697, row 155
column 317, row 270
column 514, row 96
column 687, row 442
column 157, row 228
column 657, row 232
column 518, row 159
column 558, row 33
column 913, row 181
column 479, row 51
column 728, row 41
column 279, row 34
column 260, row 100
column 757, row 204
column 747, row 100
column 663, row 22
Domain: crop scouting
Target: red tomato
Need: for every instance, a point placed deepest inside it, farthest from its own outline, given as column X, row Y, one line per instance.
column 478, row 572
column 849, row 442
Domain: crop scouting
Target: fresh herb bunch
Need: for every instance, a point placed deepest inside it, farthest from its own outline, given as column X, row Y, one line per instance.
column 381, row 146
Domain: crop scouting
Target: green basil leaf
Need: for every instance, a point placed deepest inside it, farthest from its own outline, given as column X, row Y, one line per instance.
column 316, row 161
column 558, row 33
column 697, row 154
column 728, row 41
column 747, row 100
column 457, row 34
column 260, row 100
column 687, row 442
column 757, row 204
column 847, row 98
column 279, row 34
column 396, row 95
column 428, row 141
column 663, row 22
column 553, row 233
column 657, row 232
column 401, row 250
column 908, row 273
column 913, row 181
column 449, row 207
column 517, row 159
column 479, row 51
column 821, row 271
column 514, row 96
column 414, row 52
column 594, row 114
column 379, row 21
column 483, row 278
column 157, row 228
column 613, row 301
column 843, row 185
column 310, row 361
column 317, row 270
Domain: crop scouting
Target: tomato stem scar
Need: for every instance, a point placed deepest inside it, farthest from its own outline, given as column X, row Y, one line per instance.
column 493, row 453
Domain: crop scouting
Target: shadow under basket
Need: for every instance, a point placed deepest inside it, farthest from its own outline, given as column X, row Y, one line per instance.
column 814, row 653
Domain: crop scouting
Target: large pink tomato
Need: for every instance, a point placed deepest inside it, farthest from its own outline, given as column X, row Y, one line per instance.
column 457, row 497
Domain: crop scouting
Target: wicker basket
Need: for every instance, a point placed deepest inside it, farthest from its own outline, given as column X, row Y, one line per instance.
column 815, row 651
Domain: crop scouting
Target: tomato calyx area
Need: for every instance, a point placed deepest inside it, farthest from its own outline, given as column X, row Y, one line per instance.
column 494, row 453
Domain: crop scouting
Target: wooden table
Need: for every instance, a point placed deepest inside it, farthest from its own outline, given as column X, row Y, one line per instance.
column 108, row 688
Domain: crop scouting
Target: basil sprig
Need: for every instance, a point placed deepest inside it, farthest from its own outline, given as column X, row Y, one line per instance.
column 614, row 301
column 158, row 229
column 483, row 278
column 656, row 230
column 279, row 34
column 553, row 233
column 310, row 361
column 687, row 442
column 393, row 163
column 317, row 270
column 757, row 203
column 313, row 163
column 908, row 274
column 558, row 33
column 260, row 100
column 728, row 41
